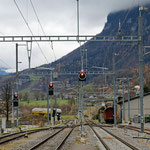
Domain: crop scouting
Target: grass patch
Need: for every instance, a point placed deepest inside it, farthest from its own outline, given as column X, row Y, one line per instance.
column 33, row 103
column 60, row 102
column 28, row 89
column 32, row 77
column 42, row 102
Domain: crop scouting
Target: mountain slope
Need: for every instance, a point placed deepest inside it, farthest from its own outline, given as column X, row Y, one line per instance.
column 100, row 53
column 3, row 72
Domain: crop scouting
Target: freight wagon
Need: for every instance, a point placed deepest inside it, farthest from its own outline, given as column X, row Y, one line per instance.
column 109, row 115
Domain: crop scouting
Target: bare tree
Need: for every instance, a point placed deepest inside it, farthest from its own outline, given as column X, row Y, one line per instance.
column 26, row 97
column 20, row 96
column 6, row 100
column 37, row 96
column 42, row 96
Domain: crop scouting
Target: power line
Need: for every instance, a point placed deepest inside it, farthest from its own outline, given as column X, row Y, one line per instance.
column 123, row 22
column 42, row 26
column 127, row 13
column 30, row 29
column 34, row 55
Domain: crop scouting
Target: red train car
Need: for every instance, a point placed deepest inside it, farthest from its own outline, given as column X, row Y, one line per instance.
column 109, row 115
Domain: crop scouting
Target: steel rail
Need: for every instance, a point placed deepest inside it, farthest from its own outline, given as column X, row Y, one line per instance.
column 64, row 140
column 118, row 138
column 45, row 140
column 11, row 137
column 101, row 140
column 51, row 136
column 8, row 135
column 134, row 128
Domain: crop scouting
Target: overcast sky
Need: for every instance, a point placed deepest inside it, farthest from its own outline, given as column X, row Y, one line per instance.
column 58, row 17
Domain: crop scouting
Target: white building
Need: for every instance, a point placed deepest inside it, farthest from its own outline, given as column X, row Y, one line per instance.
column 135, row 107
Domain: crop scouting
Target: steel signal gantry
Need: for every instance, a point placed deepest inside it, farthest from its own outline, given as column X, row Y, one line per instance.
column 71, row 38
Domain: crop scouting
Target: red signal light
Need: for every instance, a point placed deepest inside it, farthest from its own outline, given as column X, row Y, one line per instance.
column 51, row 85
column 15, row 95
column 15, row 100
column 51, row 89
column 82, row 76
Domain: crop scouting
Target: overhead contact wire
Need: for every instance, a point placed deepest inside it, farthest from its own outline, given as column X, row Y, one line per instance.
column 42, row 27
column 121, row 27
column 30, row 30
column 127, row 13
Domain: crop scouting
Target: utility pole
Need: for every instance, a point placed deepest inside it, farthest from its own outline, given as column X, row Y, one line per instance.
column 48, row 105
column 29, row 50
column 17, row 82
column 48, row 108
column 82, row 113
column 86, row 67
column 123, row 113
column 117, row 86
column 104, row 82
column 114, row 89
column 140, row 37
column 52, row 122
column 81, row 96
column 12, row 106
column 78, row 23
column 128, row 101
column 55, row 76
column 79, row 102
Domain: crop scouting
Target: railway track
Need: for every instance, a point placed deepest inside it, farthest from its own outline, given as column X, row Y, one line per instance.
column 48, row 141
column 134, row 128
column 99, row 137
column 116, row 137
column 14, row 136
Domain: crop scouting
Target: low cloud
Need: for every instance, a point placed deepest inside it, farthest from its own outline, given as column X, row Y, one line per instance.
column 58, row 17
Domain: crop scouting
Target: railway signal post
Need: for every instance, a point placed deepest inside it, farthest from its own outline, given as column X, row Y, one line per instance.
column 51, row 92
column 15, row 100
column 81, row 77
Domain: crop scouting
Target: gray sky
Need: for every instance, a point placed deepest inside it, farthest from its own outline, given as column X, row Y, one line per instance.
column 58, row 17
